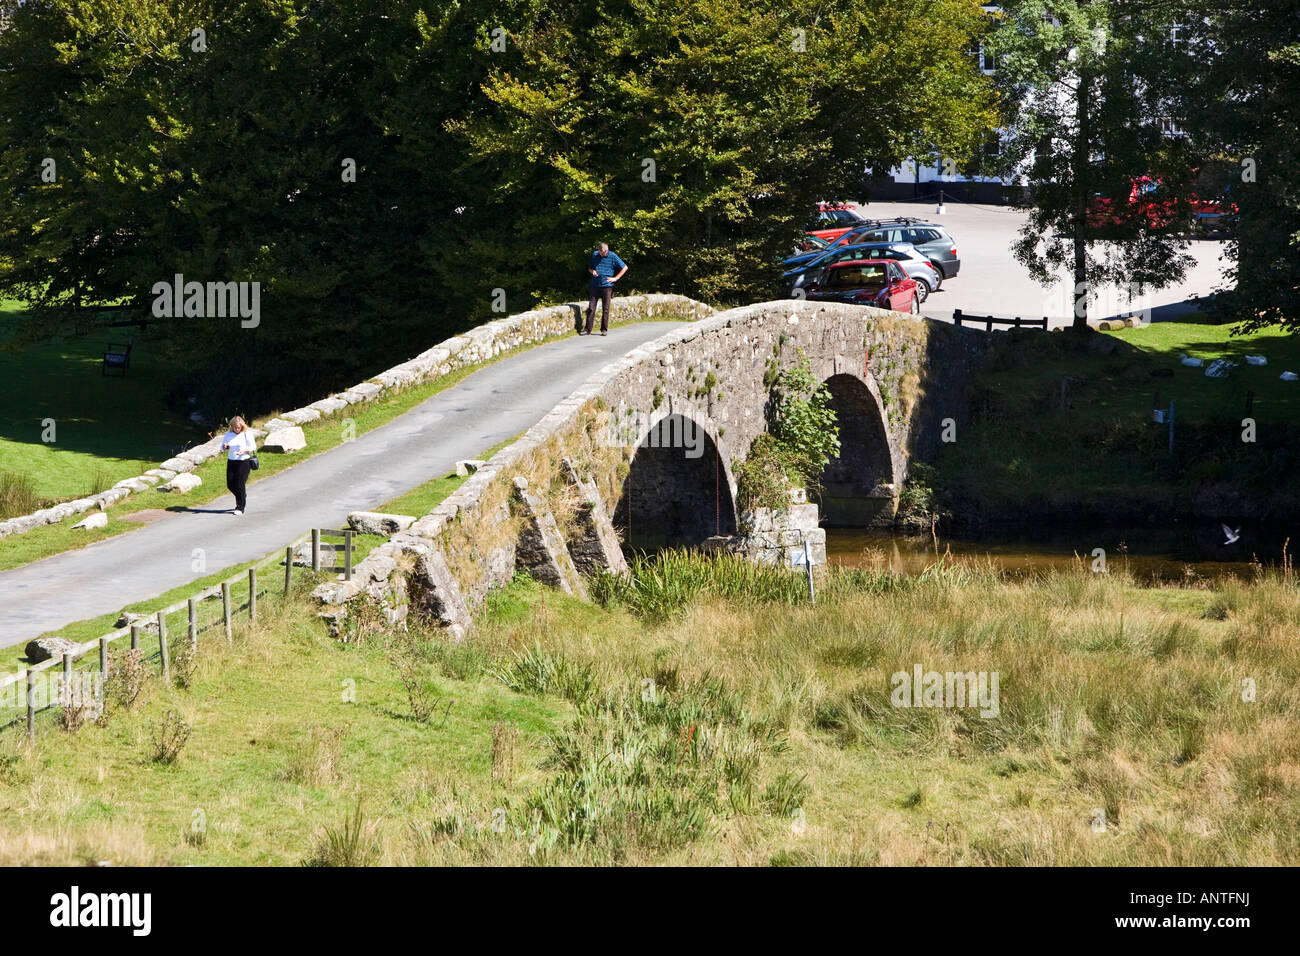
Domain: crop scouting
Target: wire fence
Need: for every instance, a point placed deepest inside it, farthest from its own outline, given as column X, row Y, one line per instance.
column 76, row 678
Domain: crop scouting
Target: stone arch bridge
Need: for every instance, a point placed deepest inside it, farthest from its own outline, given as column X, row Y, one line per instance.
column 644, row 455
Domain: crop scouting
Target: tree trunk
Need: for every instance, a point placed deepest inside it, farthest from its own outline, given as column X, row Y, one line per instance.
column 1082, row 184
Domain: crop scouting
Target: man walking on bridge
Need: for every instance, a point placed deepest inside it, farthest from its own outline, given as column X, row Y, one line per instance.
column 606, row 268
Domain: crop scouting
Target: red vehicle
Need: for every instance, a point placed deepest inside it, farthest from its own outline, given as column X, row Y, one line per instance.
column 834, row 220
column 1207, row 215
column 878, row 282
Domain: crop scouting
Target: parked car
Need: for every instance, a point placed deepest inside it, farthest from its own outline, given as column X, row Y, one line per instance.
column 1145, row 201
column 833, row 220
column 878, row 282
column 807, row 247
column 914, row 262
column 929, row 237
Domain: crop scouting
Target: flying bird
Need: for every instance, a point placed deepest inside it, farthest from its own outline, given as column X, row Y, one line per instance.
column 1231, row 535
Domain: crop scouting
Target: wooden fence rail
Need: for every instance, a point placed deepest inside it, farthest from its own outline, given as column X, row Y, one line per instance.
column 190, row 605
column 988, row 321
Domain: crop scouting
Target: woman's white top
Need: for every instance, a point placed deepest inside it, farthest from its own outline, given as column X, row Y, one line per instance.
column 241, row 445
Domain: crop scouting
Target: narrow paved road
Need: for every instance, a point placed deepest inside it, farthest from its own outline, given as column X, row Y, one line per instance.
column 487, row 407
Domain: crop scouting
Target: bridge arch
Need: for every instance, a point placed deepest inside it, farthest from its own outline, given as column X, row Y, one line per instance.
column 858, row 487
column 679, row 487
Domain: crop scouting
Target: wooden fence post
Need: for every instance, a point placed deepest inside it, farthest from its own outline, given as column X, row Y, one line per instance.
column 103, row 657
column 65, row 695
column 162, row 646
column 252, row 594
column 225, row 610
column 194, row 624
column 288, row 567
column 956, row 317
column 315, row 549
column 135, row 637
column 347, row 556
column 31, row 707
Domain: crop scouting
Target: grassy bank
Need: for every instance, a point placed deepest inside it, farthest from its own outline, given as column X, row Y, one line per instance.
column 1027, row 453
column 703, row 715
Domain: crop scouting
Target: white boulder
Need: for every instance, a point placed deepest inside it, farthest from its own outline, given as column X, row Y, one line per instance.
column 98, row 520
column 285, row 440
column 182, row 483
column 377, row 522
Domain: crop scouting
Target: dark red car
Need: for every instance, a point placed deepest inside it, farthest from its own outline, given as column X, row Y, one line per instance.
column 878, row 282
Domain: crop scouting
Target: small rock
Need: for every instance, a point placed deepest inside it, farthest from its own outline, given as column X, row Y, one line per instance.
column 147, row 622
column 377, row 522
column 98, row 520
column 284, row 440
column 182, row 483
column 469, row 466
column 43, row 648
column 1256, row 360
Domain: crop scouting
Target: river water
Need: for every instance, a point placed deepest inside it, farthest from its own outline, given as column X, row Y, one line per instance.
column 1151, row 555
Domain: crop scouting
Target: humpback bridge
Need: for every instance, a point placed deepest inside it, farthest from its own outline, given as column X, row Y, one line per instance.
column 644, row 454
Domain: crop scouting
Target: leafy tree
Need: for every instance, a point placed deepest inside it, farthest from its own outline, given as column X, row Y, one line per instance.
column 747, row 121
column 1081, row 81
column 1235, row 85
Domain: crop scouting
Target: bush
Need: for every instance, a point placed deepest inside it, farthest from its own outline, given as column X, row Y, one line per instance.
column 352, row 844
column 126, row 680
column 170, row 738
column 409, row 655
column 801, row 439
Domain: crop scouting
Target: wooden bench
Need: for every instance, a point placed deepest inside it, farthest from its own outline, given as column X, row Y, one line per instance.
column 117, row 356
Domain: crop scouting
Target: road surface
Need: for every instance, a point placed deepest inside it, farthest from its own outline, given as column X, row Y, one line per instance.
column 488, row 407
column 991, row 282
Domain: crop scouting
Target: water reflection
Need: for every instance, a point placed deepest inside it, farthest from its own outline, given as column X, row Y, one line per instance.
column 1151, row 556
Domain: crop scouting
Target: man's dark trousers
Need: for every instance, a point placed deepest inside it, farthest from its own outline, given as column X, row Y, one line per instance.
column 604, row 294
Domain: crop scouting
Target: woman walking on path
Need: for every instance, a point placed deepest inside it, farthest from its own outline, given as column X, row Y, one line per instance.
column 239, row 442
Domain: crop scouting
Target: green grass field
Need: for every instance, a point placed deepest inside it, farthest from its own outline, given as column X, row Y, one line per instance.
column 706, row 716
column 106, row 428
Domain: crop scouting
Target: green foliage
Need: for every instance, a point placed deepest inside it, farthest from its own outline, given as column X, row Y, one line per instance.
column 918, row 494
column 1080, row 122
column 352, row 844
column 226, row 164
column 1252, row 137
column 802, row 437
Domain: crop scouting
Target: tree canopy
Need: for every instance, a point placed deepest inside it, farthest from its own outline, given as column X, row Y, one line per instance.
column 493, row 144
